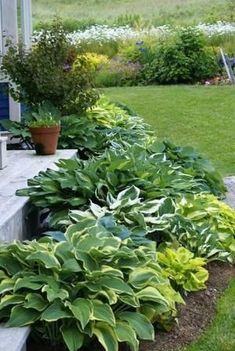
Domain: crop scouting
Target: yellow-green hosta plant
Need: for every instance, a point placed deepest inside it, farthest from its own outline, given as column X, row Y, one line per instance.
column 85, row 287
column 182, row 268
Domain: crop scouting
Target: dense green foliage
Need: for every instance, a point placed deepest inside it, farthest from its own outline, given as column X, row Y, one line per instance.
column 137, row 222
column 91, row 285
column 50, row 71
column 181, row 59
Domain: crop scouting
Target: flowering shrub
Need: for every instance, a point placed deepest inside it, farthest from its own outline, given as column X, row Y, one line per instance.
column 47, row 72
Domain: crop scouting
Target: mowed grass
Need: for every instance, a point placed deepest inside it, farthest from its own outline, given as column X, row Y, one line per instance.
column 220, row 336
column 156, row 11
column 199, row 116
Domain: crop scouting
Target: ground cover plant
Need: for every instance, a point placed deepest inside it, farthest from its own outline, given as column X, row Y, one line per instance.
column 122, row 213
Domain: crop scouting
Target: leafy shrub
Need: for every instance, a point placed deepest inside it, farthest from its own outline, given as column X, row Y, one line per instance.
column 182, row 59
column 118, row 73
column 90, row 285
column 47, row 72
column 184, row 270
column 96, row 60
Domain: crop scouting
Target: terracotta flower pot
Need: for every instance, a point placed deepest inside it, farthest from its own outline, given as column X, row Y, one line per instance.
column 45, row 139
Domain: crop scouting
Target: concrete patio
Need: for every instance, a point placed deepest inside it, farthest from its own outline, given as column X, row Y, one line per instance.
column 13, row 209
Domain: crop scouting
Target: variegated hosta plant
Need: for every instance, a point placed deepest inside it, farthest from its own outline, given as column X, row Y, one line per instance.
column 85, row 287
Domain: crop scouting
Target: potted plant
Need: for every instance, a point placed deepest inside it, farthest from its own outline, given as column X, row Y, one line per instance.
column 44, row 126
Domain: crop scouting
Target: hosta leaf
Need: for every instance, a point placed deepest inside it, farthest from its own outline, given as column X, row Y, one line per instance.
column 6, row 285
column 72, row 336
column 106, row 336
column 89, row 263
column 126, row 334
column 35, row 301
column 46, row 258
column 55, row 292
column 102, row 312
column 11, row 300
column 71, row 265
column 27, row 283
column 55, row 311
column 116, row 284
column 21, row 316
column 82, row 310
column 139, row 323
column 10, row 264
column 151, row 294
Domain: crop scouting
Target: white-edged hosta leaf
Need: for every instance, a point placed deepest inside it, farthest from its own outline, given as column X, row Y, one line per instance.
column 125, row 333
column 46, row 258
column 55, row 311
column 106, row 336
column 82, row 310
column 8, row 300
column 72, row 336
column 35, row 301
column 21, row 316
column 102, row 312
column 139, row 323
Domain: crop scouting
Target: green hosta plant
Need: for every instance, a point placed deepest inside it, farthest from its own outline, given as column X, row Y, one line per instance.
column 87, row 286
column 77, row 182
column 182, row 268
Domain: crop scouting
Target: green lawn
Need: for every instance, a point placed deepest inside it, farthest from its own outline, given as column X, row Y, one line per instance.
column 157, row 11
column 200, row 116
column 221, row 334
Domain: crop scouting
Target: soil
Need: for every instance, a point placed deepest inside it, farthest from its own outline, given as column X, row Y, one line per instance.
column 193, row 317
column 196, row 314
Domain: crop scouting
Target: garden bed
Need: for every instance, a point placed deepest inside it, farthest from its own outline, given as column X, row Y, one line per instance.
column 196, row 314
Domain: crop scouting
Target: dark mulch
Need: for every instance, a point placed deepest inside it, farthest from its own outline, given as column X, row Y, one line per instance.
column 193, row 317
column 198, row 312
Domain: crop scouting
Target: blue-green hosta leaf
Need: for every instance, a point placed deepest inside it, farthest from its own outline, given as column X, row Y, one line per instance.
column 35, row 301
column 21, row 316
column 106, row 336
column 56, row 235
column 55, row 311
column 102, row 312
column 72, row 336
column 82, row 310
column 6, row 285
column 7, row 300
column 46, row 258
column 139, row 323
column 125, row 333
